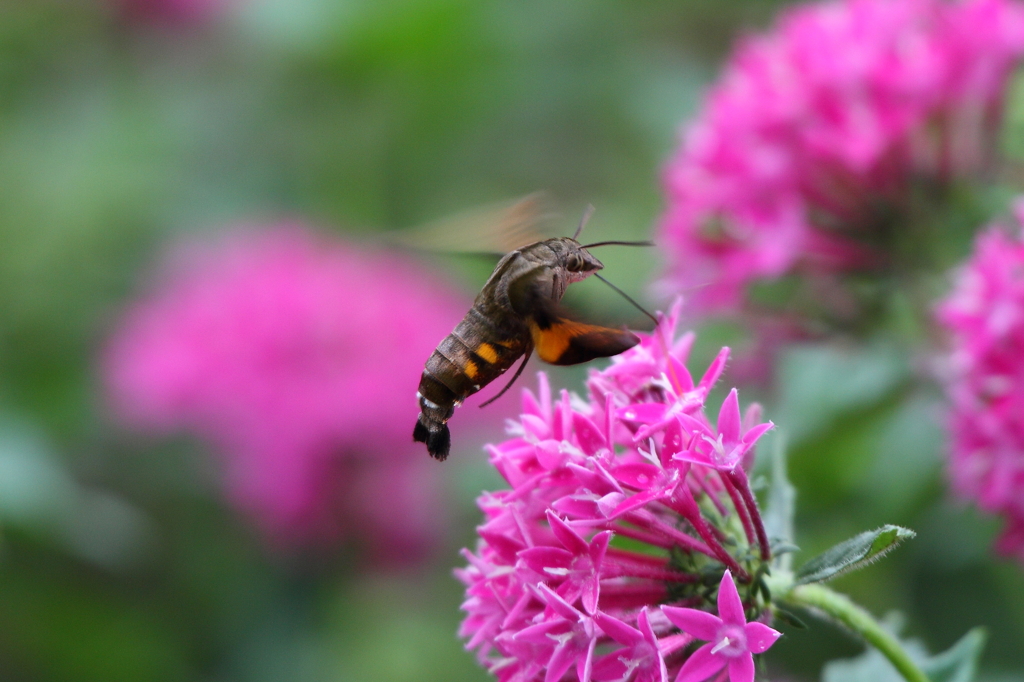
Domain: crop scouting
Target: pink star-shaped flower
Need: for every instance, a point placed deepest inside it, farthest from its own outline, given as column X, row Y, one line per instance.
column 576, row 569
column 732, row 641
column 725, row 449
column 640, row 660
column 570, row 634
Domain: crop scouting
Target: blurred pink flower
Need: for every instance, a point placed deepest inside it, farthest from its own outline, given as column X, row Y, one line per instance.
column 547, row 593
column 180, row 12
column 815, row 131
column 985, row 379
column 298, row 356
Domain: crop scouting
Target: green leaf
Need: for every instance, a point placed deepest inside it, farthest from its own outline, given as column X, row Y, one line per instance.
column 779, row 548
column 852, row 554
column 789, row 618
column 959, row 663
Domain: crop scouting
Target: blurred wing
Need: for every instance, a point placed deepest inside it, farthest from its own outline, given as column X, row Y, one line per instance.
column 492, row 229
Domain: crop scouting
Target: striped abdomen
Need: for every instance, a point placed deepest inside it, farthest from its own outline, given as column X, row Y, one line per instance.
column 476, row 353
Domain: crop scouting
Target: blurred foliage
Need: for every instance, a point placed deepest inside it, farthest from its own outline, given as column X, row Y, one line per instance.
column 118, row 559
column 958, row 664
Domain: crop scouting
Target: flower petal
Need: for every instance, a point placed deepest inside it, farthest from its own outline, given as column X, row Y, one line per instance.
column 609, row 503
column 730, row 606
column 585, row 663
column 617, row 630
column 701, row 665
column 540, row 633
column 715, row 369
column 569, row 538
column 634, row 502
column 645, row 413
column 679, row 375
column 760, row 637
column 752, row 416
column 741, row 668
column 590, row 591
column 588, row 435
column 756, row 431
column 599, row 545
column 645, row 627
column 541, row 558
column 700, row 624
column 563, row 657
column 550, row 454
column 535, row 426
column 610, row 666
column 638, row 475
column 729, row 419
column 597, row 481
column 555, row 602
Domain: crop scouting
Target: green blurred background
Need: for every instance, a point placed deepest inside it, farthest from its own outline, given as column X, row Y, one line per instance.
column 118, row 558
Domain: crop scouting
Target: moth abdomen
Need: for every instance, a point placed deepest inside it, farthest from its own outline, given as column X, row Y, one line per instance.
column 464, row 362
column 437, row 404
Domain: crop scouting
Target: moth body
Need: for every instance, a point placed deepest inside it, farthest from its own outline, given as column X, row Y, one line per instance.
column 515, row 314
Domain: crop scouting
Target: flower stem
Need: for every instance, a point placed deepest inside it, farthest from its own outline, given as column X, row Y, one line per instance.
column 686, row 506
column 741, row 510
column 854, row 617
column 739, row 478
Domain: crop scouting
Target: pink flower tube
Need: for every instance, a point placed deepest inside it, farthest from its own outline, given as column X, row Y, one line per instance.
column 618, row 504
column 809, row 142
column 297, row 356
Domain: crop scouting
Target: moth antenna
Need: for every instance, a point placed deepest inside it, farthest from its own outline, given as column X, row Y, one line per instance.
column 587, row 212
column 626, row 296
column 522, row 366
column 644, row 243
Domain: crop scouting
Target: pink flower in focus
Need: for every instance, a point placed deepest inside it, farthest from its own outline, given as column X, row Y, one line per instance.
column 298, row 356
column 731, row 640
column 817, row 129
column 985, row 379
column 618, row 504
column 640, row 659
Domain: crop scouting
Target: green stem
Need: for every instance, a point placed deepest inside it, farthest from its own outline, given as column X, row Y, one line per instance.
column 840, row 608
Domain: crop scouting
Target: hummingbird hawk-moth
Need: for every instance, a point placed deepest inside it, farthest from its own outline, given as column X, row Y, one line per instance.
column 516, row 314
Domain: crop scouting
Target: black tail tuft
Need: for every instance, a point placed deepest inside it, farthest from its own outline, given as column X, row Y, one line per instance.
column 438, row 442
column 420, row 433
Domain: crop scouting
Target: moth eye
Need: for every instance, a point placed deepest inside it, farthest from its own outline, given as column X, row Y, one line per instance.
column 574, row 263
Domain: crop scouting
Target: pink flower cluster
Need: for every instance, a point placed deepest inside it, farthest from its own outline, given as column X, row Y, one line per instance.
column 298, row 357
column 618, row 505
column 815, row 131
column 985, row 379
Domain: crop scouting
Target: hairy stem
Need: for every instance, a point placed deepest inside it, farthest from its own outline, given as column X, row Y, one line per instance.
column 741, row 510
column 739, row 478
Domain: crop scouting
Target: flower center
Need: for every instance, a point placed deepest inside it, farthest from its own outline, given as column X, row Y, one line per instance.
column 731, row 641
column 719, row 454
